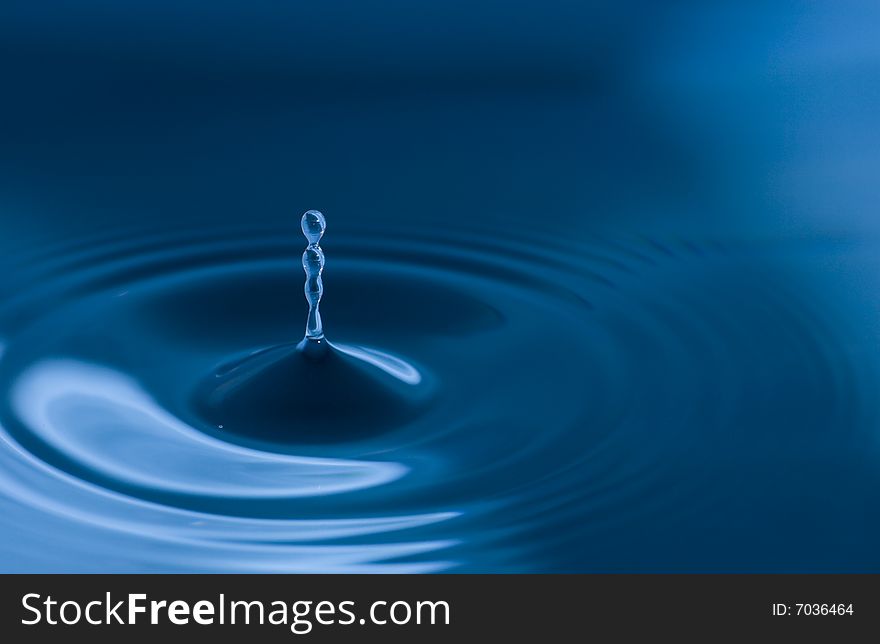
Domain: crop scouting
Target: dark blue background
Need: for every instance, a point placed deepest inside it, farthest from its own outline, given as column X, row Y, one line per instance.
column 686, row 115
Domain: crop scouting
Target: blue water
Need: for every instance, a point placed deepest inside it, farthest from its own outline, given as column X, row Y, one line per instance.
column 554, row 406
column 599, row 290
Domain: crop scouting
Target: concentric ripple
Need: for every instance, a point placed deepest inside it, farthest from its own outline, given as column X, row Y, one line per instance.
column 625, row 404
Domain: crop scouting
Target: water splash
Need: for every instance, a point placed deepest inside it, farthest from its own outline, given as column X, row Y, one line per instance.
column 315, row 391
column 313, row 227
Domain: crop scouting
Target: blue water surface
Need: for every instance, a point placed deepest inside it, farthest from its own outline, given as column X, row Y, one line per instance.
column 600, row 289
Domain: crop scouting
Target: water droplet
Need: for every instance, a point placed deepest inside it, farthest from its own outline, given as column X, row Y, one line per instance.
column 313, row 227
column 313, row 391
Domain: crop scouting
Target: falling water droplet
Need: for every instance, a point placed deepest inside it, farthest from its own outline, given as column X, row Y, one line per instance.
column 313, row 227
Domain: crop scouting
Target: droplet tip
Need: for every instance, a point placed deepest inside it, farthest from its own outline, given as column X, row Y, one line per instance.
column 313, row 225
